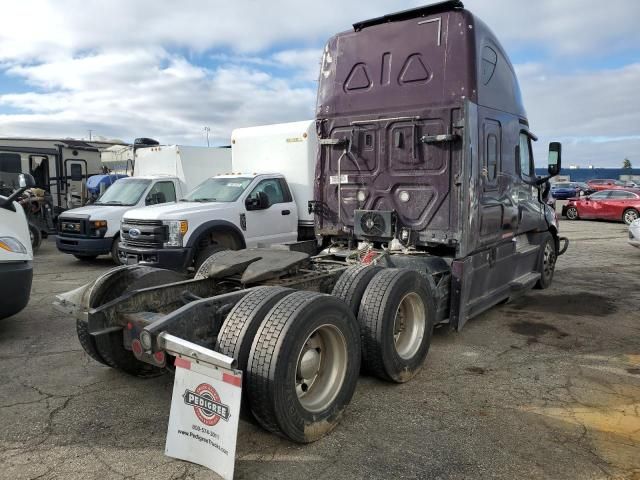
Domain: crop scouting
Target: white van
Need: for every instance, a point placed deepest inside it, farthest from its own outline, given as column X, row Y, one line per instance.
column 16, row 254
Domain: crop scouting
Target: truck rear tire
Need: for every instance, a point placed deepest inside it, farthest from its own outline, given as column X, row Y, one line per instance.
column 109, row 353
column 240, row 327
column 352, row 283
column 396, row 319
column 203, row 255
column 203, row 267
column 546, row 261
column 303, row 366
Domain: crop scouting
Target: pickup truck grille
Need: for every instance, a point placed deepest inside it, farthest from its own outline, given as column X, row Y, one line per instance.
column 143, row 233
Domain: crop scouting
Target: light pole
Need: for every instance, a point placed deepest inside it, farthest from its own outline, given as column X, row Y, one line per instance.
column 207, row 130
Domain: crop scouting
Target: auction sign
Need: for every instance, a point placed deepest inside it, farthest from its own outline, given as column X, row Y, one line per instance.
column 203, row 422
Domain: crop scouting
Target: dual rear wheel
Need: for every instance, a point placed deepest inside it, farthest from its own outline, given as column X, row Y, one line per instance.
column 301, row 352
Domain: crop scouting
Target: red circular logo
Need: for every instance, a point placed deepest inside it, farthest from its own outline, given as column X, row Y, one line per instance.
column 207, row 417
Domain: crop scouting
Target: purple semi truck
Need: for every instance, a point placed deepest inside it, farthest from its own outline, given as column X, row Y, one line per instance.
column 427, row 212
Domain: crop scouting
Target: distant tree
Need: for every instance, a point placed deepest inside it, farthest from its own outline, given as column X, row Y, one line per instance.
column 626, row 163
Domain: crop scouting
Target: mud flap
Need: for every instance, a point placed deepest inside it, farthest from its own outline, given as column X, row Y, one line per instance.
column 461, row 271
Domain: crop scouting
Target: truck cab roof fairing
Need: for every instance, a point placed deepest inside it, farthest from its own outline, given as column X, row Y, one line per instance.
column 412, row 13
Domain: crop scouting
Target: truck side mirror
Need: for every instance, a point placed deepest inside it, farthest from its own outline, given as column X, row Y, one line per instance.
column 26, row 180
column 257, row 201
column 555, row 158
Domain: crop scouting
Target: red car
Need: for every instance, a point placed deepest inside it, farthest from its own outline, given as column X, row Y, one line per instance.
column 605, row 184
column 607, row 205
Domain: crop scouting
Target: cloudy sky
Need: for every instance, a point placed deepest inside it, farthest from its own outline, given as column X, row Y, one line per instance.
column 167, row 69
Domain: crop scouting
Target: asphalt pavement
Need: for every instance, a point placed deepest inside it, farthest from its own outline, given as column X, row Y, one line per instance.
column 546, row 387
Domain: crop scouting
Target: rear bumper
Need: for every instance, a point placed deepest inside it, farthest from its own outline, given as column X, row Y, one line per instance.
column 84, row 246
column 15, row 287
column 178, row 259
column 635, row 243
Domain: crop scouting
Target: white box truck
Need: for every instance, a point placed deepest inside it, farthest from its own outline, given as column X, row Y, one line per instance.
column 265, row 204
column 163, row 174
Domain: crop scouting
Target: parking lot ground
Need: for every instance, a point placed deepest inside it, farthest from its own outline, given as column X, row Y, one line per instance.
column 546, row 386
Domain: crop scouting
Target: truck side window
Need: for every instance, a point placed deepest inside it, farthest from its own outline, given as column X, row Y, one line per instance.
column 161, row 192
column 272, row 188
column 526, row 163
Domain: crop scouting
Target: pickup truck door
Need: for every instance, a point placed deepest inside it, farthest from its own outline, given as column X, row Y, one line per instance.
column 276, row 224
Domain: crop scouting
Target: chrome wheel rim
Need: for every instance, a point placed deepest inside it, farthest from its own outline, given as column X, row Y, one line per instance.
column 409, row 325
column 572, row 213
column 549, row 260
column 321, row 368
column 630, row 216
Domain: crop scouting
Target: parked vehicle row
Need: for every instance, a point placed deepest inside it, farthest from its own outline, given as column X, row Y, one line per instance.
column 565, row 190
column 163, row 174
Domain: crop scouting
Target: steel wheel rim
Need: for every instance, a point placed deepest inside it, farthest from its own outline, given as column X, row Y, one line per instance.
column 321, row 368
column 630, row 216
column 572, row 213
column 409, row 325
column 549, row 260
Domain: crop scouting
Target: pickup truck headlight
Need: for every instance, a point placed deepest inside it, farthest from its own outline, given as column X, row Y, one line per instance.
column 176, row 230
column 98, row 228
column 12, row 245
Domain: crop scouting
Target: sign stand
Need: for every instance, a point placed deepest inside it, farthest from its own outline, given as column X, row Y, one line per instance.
column 205, row 409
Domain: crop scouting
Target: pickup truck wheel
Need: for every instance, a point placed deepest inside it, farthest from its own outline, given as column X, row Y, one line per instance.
column 110, row 351
column 546, row 262
column 85, row 258
column 396, row 320
column 303, row 366
column 114, row 250
column 242, row 323
column 572, row 213
column 352, row 283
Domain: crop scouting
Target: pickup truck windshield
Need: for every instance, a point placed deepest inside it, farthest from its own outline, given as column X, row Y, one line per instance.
column 126, row 191
column 218, row 190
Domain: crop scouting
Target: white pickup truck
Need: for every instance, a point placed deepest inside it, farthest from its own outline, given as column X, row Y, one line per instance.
column 93, row 230
column 240, row 210
column 163, row 174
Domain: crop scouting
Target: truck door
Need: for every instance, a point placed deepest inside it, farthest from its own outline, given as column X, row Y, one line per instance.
column 529, row 207
column 493, row 209
column 276, row 224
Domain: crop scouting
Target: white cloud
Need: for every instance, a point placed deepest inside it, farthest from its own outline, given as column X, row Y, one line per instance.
column 131, row 69
column 593, row 112
column 149, row 93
